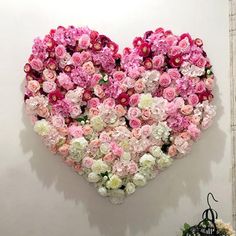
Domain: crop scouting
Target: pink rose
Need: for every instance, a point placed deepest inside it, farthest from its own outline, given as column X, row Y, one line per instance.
column 95, row 79
column 136, row 133
column 89, row 68
column 75, row 111
column 49, row 75
column 139, row 86
column 109, row 158
column 87, row 130
column 109, row 103
column 133, row 112
column 169, row 93
column 174, row 50
column 58, row 121
column 87, row 162
column 195, row 119
column 36, row 64
column 193, row 99
column 118, row 151
column 129, row 82
column 172, row 151
column 65, row 81
column 132, row 168
column 174, row 73
column 120, row 110
column 171, row 40
column 85, row 56
column 165, row 80
column 171, row 108
column 200, row 87
column 146, row 114
column 194, row 131
column 118, row 75
column 33, row 86
column 184, row 45
column 146, row 130
column 98, row 91
column 64, row 150
column 93, row 102
column 186, row 109
column 49, row 86
column 43, row 111
column 158, row 61
column 76, row 131
column 209, row 83
column 60, row 51
column 76, row 60
column 104, row 137
column 179, row 102
column 135, row 123
column 201, row 62
column 84, row 41
column 93, row 111
column 134, row 99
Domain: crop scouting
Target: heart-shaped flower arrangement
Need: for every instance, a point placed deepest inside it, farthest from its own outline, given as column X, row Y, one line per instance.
column 118, row 119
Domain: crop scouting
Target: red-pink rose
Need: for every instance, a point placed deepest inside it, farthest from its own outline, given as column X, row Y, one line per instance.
column 135, row 123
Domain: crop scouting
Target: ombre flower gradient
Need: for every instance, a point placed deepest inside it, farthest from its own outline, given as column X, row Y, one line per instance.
column 118, row 119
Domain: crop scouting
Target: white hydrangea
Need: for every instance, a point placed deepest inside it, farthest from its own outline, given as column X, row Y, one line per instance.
column 190, row 70
column 161, row 131
column 148, row 172
column 158, row 108
column 77, row 147
column 156, row 151
column 146, row 101
column 147, row 160
column 139, row 179
column 164, row 162
column 99, row 166
column 130, row 188
column 42, row 127
column 151, row 78
column 126, row 157
column 75, row 95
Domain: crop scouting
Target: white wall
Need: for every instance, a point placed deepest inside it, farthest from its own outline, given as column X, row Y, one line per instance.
column 39, row 195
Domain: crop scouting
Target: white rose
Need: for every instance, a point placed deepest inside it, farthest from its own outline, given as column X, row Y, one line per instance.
column 126, row 157
column 130, row 188
column 139, row 179
column 104, row 148
column 97, row 123
column 99, row 167
column 114, row 183
column 147, row 160
column 93, row 177
column 79, row 143
column 102, row 191
column 42, row 127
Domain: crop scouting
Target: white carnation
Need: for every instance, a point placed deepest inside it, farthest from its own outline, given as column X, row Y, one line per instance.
column 99, row 167
column 147, row 160
column 42, row 127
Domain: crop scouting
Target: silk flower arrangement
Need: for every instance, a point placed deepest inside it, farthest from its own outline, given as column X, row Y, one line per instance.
column 118, row 119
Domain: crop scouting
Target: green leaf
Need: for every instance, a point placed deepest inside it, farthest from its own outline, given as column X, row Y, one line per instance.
column 82, row 118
